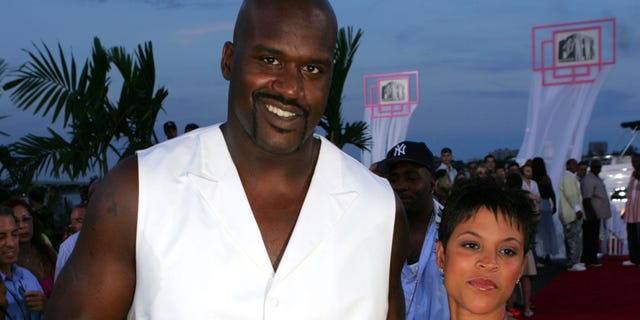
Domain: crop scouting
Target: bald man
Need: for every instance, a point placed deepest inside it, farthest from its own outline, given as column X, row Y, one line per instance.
column 255, row 218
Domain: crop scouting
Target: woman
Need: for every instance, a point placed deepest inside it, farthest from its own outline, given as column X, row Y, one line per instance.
column 34, row 253
column 484, row 235
column 546, row 228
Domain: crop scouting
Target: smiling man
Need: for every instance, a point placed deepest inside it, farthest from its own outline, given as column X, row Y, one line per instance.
column 255, row 218
column 24, row 295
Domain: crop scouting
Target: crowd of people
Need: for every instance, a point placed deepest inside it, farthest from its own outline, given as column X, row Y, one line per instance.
column 36, row 229
column 259, row 218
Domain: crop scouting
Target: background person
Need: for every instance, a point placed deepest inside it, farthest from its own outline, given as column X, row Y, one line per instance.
column 546, row 227
column 571, row 215
column 190, row 127
column 410, row 169
column 446, row 156
column 595, row 201
column 66, row 248
column 170, row 130
column 24, row 295
column 35, row 254
column 632, row 213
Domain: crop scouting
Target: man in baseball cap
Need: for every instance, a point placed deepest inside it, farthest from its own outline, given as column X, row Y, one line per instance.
column 410, row 168
column 416, row 152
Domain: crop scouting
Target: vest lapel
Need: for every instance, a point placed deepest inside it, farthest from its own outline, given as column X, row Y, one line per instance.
column 218, row 184
column 326, row 201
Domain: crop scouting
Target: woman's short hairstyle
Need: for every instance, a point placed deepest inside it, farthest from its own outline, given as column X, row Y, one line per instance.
column 469, row 196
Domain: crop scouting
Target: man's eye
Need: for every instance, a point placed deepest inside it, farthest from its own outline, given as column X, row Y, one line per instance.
column 270, row 60
column 311, row 69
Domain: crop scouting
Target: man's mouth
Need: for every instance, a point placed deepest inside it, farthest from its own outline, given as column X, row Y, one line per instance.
column 279, row 112
column 9, row 253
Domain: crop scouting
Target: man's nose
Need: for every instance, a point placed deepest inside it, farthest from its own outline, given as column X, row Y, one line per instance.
column 289, row 81
column 12, row 242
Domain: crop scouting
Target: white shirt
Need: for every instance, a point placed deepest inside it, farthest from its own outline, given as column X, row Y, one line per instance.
column 64, row 252
column 450, row 170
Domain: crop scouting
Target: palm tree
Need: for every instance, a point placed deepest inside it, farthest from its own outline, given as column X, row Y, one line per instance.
column 79, row 99
column 339, row 132
column 3, row 69
column 5, row 158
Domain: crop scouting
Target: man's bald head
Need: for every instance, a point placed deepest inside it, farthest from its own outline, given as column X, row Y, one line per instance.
column 319, row 12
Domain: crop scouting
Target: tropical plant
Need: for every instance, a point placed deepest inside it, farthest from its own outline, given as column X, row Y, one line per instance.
column 338, row 131
column 3, row 69
column 5, row 158
column 78, row 99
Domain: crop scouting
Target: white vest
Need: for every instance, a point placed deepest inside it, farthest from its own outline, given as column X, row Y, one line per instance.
column 200, row 254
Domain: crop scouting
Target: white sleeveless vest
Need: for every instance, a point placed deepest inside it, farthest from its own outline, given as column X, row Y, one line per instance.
column 200, row 254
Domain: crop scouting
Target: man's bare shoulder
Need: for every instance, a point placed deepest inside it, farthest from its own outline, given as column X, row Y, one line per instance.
column 98, row 280
column 116, row 197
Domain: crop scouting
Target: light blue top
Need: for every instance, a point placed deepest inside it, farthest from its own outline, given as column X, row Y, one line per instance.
column 21, row 281
column 425, row 295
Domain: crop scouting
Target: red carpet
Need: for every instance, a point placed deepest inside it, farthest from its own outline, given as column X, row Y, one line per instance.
column 608, row 292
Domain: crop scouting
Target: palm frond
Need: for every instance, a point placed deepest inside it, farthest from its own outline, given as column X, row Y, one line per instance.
column 332, row 122
column 44, row 83
column 2, row 133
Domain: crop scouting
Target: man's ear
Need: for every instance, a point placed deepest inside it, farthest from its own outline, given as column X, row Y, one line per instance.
column 227, row 60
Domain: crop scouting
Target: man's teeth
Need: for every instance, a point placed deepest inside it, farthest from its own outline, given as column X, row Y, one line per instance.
column 280, row 112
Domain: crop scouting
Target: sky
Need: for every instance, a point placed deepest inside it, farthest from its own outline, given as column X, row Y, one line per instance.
column 473, row 59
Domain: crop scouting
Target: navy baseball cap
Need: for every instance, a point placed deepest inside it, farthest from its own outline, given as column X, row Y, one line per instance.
column 416, row 152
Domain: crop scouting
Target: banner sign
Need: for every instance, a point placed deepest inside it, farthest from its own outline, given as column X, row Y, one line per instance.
column 391, row 95
column 574, row 52
column 389, row 101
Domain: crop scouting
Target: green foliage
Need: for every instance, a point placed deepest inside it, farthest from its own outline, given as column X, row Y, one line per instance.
column 3, row 69
column 78, row 99
column 339, row 132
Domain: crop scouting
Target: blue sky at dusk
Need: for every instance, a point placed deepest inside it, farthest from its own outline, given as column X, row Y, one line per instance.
column 474, row 59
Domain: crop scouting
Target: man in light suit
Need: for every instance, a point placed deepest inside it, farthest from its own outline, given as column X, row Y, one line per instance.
column 571, row 215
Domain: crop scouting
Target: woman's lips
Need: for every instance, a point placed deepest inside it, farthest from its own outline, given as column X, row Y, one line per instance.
column 483, row 284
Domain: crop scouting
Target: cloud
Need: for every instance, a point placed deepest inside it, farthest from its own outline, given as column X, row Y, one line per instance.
column 203, row 30
column 188, row 35
column 487, row 94
column 172, row 4
column 191, row 3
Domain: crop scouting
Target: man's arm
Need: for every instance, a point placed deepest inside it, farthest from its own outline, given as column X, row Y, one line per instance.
column 587, row 191
column 98, row 281
column 398, row 257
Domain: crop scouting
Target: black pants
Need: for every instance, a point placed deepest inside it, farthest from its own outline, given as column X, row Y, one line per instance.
column 633, row 238
column 590, row 241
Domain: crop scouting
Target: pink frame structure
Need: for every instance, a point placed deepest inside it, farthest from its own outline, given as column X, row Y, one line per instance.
column 544, row 49
column 374, row 101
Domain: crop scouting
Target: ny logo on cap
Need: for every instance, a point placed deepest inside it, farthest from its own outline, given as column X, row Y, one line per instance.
column 399, row 150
